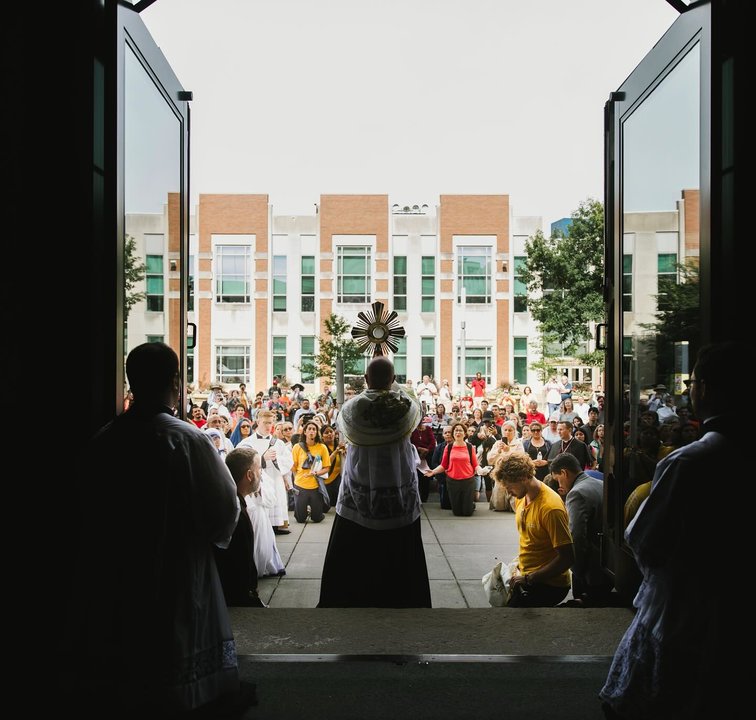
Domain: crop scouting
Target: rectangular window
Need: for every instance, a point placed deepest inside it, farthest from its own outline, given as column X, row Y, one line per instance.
column 279, row 355
column 307, row 355
column 190, row 364
column 190, row 296
column 353, row 277
column 400, row 360
column 279, row 284
column 477, row 360
column 154, row 283
column 521, row 360
column 428, row 284
column 627, row 283
column 474, row 274
column 233, row 273
column 520, row 288
column 428, row 356
column 666, row 278
column 308, row 283
column 400, row 282
column 358, row 376
column 155, row 338
column 232, row 364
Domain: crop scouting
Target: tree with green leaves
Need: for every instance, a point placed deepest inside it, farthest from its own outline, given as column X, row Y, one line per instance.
column 337, row 343
column 678, row 316
column 134, row 271
column 564, row 275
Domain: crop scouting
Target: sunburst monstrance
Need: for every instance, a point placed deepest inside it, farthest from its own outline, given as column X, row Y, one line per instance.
column 377, row 329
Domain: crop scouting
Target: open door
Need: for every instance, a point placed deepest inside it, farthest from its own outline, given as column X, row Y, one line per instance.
column 153, row 212
column 657, row 238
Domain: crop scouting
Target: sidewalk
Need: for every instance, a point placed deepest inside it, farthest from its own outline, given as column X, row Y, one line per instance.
column 458, row 550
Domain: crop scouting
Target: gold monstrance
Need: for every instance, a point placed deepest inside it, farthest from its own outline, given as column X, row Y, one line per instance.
column 377, row 329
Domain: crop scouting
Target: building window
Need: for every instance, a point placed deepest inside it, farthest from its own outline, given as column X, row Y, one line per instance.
column 520, row 288
column 279, row 283
column 154, row 283
column 233, row 273
column 521, row 360
column 190, row 291
column 666, row 278
column 474, row 274
column 190, row 364
column 232, row 364
column 400, row 360
column 307, row 355
column 400, row 282
column 428, row 284
column 155, row 338
column 308, row 283
column 279, row 355
column 353, row 274
column 477, row 360
column 358, row 377
column 428, row 356
column 627, row 283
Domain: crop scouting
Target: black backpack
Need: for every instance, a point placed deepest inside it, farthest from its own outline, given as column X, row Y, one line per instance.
column 447, row 450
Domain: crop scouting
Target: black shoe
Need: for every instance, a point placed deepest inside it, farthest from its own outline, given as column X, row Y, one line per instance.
column 281, row 531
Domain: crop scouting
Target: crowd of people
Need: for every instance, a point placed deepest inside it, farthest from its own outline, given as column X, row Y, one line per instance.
column 187, row 523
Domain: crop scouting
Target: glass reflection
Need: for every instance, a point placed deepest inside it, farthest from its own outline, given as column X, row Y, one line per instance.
column 152, row 167
column 660, row 254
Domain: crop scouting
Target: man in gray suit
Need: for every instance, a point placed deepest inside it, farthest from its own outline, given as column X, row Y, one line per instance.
column 583, row 496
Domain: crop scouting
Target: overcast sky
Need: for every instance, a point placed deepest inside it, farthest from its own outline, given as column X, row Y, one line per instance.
column 413, row 98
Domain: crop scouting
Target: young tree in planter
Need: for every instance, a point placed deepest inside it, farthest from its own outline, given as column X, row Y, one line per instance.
column 336, row 343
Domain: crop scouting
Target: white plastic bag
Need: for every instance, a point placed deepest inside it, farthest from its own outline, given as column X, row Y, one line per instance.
column 496, row 583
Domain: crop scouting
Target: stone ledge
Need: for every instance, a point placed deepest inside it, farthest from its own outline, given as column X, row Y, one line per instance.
column 378, row 631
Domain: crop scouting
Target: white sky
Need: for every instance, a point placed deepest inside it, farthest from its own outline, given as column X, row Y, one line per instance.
column 413, row 98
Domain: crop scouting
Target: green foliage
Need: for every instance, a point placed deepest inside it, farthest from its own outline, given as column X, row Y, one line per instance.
column 336, row 343
column 678, row 309
column 597, row 358
column 134, row 272
column 565, row 277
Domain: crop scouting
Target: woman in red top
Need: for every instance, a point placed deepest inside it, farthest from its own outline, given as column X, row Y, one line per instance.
column 459, row 461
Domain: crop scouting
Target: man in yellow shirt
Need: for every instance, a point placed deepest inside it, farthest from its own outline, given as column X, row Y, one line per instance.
column 546, row 552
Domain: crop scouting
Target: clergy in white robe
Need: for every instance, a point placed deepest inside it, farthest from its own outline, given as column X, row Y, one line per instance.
column 276, row 466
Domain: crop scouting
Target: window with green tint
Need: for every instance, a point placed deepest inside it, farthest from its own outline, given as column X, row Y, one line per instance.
column 233, row 272
column 190, row 295
column 279, row 355
column 155, row 338
column 279, row 283
column 307, row 355
column 400, row 360
column 627, row 283
column 428, row 356
column 428, row 284
column 520, row 288
column 400, row 282
column 666, row 278
column 155, row 283
column 308, row 283
column 353, row 278
column 474, row 274
column 520, row 360
column 232, row 364
column 190, row 364
column 477, row 360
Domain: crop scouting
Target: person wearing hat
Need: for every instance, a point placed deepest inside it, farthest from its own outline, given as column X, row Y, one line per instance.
column 656, row 399
column 424, row 440
column 551, row 433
